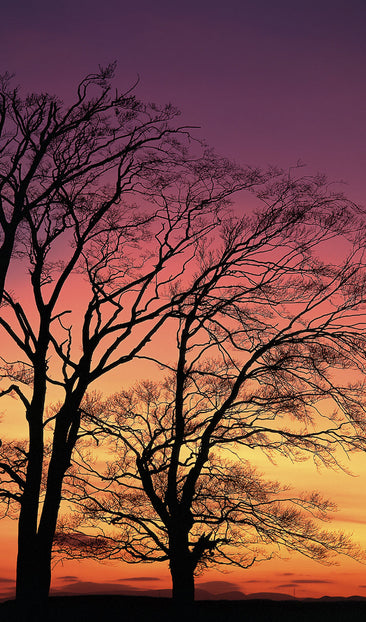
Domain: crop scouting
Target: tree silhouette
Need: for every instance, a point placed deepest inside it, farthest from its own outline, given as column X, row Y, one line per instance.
column 131, row 511
column 262, row 347
column 105, row 194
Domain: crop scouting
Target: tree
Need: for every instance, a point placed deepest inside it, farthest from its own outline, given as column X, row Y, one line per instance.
column 262, row 349
column 107, row 191
column 233, row 517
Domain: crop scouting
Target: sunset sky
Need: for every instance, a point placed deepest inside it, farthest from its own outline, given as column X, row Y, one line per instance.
column 267, row 83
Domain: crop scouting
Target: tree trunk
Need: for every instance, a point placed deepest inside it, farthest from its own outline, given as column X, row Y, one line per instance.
column 27, row 562
column 64, row 439
column 181, row 567
column 33, row 575
column 35, row 549
column 27, row 567
column 47, row 526
column 35, row 544
column 182, row 580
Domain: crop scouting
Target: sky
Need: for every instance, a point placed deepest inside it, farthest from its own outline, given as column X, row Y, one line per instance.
column 266, row 83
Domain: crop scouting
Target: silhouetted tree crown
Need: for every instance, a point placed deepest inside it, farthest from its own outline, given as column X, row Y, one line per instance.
column 112, row 194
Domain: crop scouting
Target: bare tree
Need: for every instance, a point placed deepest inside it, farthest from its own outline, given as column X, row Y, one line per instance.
column 105, row 190
column 262, row 348
column 234, row 517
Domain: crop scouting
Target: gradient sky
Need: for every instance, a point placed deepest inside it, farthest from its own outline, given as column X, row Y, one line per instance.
column 268, row 83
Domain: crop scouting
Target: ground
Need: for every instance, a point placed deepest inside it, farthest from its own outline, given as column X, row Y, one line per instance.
column 98, row 608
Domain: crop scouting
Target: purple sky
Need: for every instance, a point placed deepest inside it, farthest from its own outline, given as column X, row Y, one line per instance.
column 268, row 81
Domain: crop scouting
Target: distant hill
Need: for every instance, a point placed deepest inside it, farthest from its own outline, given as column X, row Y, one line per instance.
column 232, row 595
column 269, row 596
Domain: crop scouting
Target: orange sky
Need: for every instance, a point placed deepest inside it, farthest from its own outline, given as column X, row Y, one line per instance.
column 294, row 575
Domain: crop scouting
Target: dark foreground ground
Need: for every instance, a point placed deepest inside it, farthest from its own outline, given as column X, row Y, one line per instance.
column 145, row 609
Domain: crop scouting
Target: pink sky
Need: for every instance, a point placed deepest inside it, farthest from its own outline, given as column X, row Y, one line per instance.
column 268, row 83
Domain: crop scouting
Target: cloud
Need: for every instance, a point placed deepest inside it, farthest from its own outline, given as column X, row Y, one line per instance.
column 68, row 577
column 93, row 587
column 313, row 581
column 6, row 580
column 138, row 579
column 297, row 582
column 345, row 518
